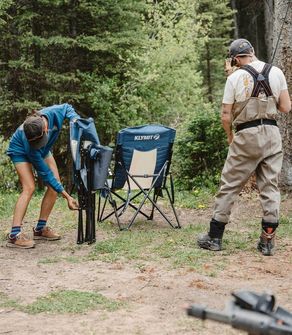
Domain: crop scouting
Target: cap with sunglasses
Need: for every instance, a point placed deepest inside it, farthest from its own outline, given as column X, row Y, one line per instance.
column 34, row 131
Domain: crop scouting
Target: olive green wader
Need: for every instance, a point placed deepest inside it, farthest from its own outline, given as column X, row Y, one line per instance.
column 256, row 148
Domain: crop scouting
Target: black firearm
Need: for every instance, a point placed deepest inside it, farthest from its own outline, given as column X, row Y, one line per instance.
column 249, row 312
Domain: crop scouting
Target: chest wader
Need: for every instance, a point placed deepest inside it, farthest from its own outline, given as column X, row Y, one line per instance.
column 257, row 147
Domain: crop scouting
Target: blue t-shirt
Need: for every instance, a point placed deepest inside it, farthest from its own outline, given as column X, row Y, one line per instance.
column 19, row 145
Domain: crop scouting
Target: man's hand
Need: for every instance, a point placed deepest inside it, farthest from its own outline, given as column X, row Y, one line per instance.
column 230, row 137
column 228, row 68
column 72, row 203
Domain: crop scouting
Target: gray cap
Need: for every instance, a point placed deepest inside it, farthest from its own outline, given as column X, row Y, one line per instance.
column 240, row 47
column 33, row 128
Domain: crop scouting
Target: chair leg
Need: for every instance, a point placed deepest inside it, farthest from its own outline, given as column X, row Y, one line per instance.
column 155, row 198
column 173, row 209
column 93, row 218
column 80, row 234
column 114, row 204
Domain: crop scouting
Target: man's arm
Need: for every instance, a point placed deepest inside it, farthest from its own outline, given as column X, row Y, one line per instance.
column 226, row 119
column 70, row 112
column 284, row 103
column 46, row 174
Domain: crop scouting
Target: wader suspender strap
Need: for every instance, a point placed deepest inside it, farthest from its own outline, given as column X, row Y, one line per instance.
column 261, row 80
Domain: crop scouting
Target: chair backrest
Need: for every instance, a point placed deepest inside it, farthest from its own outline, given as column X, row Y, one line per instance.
column 97, row 158
column 142, row 150
column 81, row 130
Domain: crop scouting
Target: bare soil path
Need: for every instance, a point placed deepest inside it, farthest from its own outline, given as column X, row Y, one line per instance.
column 152, row 293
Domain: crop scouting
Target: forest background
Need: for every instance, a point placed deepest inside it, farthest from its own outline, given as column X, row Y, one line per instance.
column 128, row 63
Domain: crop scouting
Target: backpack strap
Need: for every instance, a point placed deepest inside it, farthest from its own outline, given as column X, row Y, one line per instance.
column 261, row 80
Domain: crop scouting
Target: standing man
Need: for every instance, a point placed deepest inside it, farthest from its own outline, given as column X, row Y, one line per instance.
column 30, row 147
column 253, row 95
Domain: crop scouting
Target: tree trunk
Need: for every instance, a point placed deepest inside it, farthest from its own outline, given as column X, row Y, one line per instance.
column 209, row 81
column 282, row 59
column 269, row 22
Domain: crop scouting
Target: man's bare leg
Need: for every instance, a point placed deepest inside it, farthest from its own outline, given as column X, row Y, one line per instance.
column 26, row 178
column 16, row 239
column 50, row 196
column 41, row 231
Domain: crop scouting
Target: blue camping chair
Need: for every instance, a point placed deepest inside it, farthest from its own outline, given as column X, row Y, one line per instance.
column 142, row 163
column 90, row 166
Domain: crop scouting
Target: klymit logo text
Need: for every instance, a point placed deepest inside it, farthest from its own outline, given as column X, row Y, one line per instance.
column 146, row 137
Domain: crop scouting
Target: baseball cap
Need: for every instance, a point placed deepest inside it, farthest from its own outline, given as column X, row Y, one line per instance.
column 33, row 128
column 240, row 47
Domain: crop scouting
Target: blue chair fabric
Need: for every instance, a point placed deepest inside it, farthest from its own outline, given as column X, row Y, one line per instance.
column 143, row 139
column 91, row 162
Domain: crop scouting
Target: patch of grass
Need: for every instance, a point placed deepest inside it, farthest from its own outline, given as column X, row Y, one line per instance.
column 50, row 260
column 7, row 202
column 62, row 302
column 285, row 227
column 6, row 302
column 199, row 198
column 57, row 259
column 71, row 301
column 177, row 247
column 61, row 219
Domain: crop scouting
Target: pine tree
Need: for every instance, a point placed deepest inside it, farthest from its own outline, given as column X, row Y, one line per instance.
column 75, row 51
column 217, row 24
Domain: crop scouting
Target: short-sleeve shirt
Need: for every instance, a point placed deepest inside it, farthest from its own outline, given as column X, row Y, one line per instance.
column 239, row 84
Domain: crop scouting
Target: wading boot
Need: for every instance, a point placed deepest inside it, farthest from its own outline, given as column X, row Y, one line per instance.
column 212, row 240
column 266, row 244
column 206, row 242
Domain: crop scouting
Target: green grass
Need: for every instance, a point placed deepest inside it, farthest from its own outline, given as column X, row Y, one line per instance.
column 196, row 199
column 146, row 242
column 63, row 302
column 57, row 259
column 71, row 301
column 6, row 302
column 176, row 247
column 62, row 219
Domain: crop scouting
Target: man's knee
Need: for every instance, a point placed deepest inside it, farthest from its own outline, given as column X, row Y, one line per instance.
column 28, row 190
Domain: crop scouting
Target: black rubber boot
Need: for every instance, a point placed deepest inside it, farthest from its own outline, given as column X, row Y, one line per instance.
column 213, row 240
column 206, row 242
column 266, row 244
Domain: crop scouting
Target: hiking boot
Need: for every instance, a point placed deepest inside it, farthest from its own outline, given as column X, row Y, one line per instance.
column 206, row 242
column 46, row 233
column 266, row 244
column 20, row 241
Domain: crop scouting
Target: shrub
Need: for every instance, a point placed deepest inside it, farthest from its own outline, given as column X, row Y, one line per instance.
column 200, row 150
column 8, row 176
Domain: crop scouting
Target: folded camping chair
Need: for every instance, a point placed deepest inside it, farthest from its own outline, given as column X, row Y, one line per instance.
column 90, row 166
column 142, row 163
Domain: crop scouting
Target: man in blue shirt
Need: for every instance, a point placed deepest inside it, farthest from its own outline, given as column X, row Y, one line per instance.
column 30, row 147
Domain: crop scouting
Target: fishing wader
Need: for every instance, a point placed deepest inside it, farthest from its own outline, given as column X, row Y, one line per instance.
column 256, row 147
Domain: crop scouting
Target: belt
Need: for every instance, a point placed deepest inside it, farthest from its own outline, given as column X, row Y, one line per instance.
column 255, row 123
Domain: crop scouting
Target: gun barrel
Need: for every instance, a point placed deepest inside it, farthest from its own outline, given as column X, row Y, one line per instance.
column 200, row 312
column 254, row 323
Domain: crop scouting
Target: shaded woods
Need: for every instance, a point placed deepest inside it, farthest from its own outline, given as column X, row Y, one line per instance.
column 123, row 63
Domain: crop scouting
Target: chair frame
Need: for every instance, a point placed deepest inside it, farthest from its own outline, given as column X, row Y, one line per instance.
column 86, row 200
column 157, row 191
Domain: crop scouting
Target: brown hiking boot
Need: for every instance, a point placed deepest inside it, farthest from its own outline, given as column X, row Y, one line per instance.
column 20, row 241
column 46, row 233
column 266, row 244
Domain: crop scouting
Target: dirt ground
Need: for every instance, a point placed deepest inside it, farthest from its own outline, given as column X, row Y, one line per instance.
column 155, row 295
